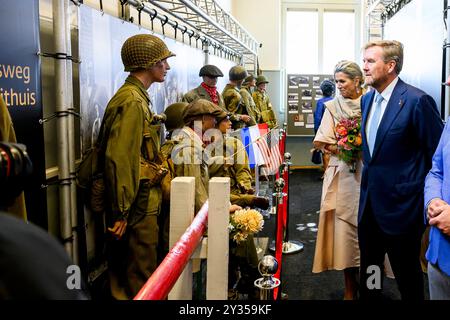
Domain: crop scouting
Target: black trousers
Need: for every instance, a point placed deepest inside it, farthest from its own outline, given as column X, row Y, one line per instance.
column 403, row 252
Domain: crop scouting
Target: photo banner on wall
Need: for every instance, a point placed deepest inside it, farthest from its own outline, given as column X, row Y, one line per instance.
column 20, row 87
column 101, row 74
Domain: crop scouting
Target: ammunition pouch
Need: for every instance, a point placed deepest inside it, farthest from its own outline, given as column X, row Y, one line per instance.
column 151, row 172
column 166, row 180
column 268, row 116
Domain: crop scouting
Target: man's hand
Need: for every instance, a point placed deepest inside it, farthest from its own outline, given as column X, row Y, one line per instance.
column 442, row 220
column 435, row 208
column 118, row 229
column 245, row 118
column 234, row 207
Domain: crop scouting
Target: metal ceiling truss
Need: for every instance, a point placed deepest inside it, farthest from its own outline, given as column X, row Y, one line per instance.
column 207, row 18
column 378, row 12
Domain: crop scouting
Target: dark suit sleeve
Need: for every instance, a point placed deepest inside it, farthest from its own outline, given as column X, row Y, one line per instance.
column 428, row 125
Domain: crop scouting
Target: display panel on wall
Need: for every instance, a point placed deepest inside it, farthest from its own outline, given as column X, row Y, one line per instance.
column 303, row 92
column 20, row 87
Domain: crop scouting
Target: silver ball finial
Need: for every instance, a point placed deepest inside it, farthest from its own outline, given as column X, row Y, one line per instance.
column 279, row 183
column 287, row 156
column 268, row 266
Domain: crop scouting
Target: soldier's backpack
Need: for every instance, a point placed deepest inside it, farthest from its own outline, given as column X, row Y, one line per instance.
column 89, row 177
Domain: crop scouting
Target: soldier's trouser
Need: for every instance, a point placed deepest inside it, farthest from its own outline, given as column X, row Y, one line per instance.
column 244, row 256
column 133, row 258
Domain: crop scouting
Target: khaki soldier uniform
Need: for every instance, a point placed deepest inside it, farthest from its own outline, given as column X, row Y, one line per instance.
column 264, row 105
column 174, row 120
column 7, row 134
column 236, row 105
column 188, row 155
column 189, row 162
column 238, row 171
column 200, row 93
column 250, row 105
column 129, row 139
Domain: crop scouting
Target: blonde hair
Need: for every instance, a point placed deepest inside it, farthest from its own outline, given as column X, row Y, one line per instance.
column 351, row 69
column 392, row 50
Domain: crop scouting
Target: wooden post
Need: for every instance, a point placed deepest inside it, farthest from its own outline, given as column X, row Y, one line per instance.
column 182, row 204
column 218, row 237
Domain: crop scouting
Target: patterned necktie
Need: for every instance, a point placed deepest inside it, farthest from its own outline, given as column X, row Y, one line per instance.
column 374, row 122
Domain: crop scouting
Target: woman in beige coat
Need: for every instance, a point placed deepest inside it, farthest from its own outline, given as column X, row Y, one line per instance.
column 337, row 238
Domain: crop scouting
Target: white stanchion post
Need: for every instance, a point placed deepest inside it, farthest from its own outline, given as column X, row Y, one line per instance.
column 182, row 204
column 218, row 237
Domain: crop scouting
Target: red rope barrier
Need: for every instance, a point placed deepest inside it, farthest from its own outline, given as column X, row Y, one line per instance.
column 281, row 218
column 165, row 276
column 279, row 244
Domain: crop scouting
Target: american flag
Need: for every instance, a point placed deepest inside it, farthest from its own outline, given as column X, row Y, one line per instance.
column 268, row 144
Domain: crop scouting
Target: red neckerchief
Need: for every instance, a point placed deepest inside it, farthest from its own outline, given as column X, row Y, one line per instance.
column 212, row 91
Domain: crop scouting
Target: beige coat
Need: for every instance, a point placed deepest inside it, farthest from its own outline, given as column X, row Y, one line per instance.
column 337, row 239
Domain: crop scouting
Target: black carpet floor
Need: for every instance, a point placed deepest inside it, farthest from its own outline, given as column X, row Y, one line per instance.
column 298, row 281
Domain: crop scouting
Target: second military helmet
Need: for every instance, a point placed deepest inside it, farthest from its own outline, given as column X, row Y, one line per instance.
column 210, row 71
column 174, row 114
column 261, row 79
column 142, row 51
column 249, row 79
column 237, row 73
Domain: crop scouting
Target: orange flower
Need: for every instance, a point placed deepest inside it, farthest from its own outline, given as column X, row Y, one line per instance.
column 341, row 130
column 358, row 140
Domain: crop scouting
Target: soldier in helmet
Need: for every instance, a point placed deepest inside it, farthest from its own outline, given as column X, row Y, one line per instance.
column 263, row 103
column 246, row 92
column 189, row 156
column 129, row 141
column 233, row 99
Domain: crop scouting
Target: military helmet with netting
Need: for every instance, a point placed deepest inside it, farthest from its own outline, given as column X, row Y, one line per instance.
column 142, row 51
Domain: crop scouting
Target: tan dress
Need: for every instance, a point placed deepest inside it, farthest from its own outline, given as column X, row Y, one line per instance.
column 337, row 239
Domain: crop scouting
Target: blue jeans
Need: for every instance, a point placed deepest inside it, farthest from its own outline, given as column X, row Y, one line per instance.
column 439, row 283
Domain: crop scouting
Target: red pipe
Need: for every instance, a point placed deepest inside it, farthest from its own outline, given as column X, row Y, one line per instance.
column 166, row 275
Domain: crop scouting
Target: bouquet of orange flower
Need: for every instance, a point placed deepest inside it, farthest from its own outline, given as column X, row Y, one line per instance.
column 245, row 222
column 348, row 133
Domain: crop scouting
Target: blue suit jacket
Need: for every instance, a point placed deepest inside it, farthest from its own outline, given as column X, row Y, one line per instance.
column 393, row 178
column 437, row 185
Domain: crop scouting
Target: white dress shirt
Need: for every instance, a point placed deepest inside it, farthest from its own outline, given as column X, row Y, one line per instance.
column 386, row 94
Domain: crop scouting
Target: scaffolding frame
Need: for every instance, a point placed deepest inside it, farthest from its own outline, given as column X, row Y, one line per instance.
column 209, row 19
column 378, row 12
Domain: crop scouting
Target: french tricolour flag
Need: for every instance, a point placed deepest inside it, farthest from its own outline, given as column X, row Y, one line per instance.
column 262, row 147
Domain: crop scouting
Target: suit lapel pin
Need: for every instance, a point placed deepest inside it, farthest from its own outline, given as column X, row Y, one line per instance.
column 400, row 103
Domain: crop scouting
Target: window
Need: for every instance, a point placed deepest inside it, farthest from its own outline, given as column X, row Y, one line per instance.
column 316, row 39
column 301, row 41
column 338, row 38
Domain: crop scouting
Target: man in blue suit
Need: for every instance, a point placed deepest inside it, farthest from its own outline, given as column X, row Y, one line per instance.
column 401, row 128
column 437, row 199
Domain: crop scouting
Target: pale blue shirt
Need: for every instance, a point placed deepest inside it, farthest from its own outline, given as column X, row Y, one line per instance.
column 386, row 94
